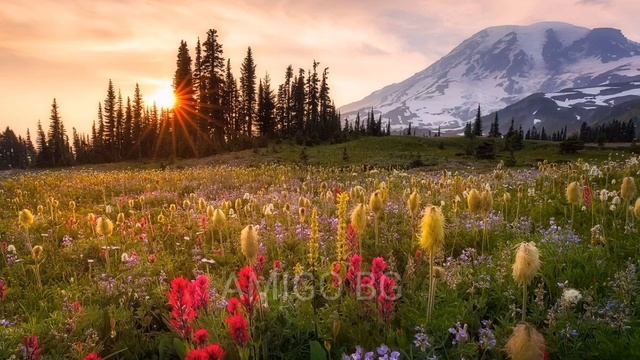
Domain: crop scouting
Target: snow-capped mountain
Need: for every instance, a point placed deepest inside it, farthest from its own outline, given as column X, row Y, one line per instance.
column 501, row 65
column 571, row 107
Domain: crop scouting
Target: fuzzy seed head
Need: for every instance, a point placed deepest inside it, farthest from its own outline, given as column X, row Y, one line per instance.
column 432, row 230
column 413, row 203
column 628, row 188
column 525, row 343
column 359, row 218
column 104, row 226
column 249, row 243
column 474, row 201
column 37, row 252
column 636, row 209
column 25, row 218
column 376, row 202
column 218, row 219
column 573, row 193
column 487, row 201
column 527, row 263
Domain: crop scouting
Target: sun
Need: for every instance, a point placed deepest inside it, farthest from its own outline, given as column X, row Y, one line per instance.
column 164, row 97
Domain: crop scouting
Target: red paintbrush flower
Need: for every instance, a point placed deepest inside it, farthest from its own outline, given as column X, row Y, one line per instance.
column 211, row 352
column 336, row 279
column 181, row 301
column 352, row 240
column 201, row 337
column 248, row 285
column 3, row 290
column 200, row 292
column 215, row 352
column 378, row 267
column 239, row 329
column 197, row 354
column 31, row 349
column 386, row 297
column 233, row 305
column 587, row 196
column 92, row 356
column 354, row 272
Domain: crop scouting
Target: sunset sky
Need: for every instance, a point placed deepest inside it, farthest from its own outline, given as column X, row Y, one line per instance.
column 69, row 49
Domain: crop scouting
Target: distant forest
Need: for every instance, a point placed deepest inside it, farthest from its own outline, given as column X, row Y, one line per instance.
column 213, row 113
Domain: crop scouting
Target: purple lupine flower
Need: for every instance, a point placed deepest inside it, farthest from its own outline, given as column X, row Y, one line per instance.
column 460, row 334
column 487, row 339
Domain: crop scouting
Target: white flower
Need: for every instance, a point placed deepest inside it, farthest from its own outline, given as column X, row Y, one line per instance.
column 616, row 200
column 612, row 208
column 11, row 248
column 124, row 257
column 571, row 296
column 108, row 209
column 584, row 208
column 613, row 182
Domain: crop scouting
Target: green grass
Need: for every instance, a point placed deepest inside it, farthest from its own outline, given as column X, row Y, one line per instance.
column 399, row 152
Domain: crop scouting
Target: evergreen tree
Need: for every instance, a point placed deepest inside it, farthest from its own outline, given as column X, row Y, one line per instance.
column 248, row 92
column 212, row 120
column 266, row 108
column 137, row 126
column 230, row 104
column 477, row 124
column 183, row 127
column 110, row 118
column 312, row 102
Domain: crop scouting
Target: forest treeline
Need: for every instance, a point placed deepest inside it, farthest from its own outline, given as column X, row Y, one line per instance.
column 214, row 112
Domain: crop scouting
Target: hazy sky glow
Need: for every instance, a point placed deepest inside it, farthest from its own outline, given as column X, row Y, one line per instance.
column 69, row 49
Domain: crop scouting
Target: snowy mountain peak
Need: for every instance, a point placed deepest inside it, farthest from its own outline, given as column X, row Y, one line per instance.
column 501, row 65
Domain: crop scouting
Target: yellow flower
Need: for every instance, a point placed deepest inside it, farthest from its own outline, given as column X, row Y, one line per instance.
column 25, row 217
column 432, row 230
column 525, row 343
column 527, row 263
column 120, row 219
column 249, row 243
column 314, row 240
column 298, row 269
column 341, row 238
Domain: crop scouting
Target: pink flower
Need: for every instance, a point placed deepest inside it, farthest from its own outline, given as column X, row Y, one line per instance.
column 386, row 297
column 92, row 356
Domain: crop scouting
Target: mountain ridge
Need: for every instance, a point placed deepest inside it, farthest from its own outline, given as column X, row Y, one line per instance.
column 499, row 66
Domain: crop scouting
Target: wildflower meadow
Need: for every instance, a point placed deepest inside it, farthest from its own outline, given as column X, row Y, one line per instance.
column 314, row 262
